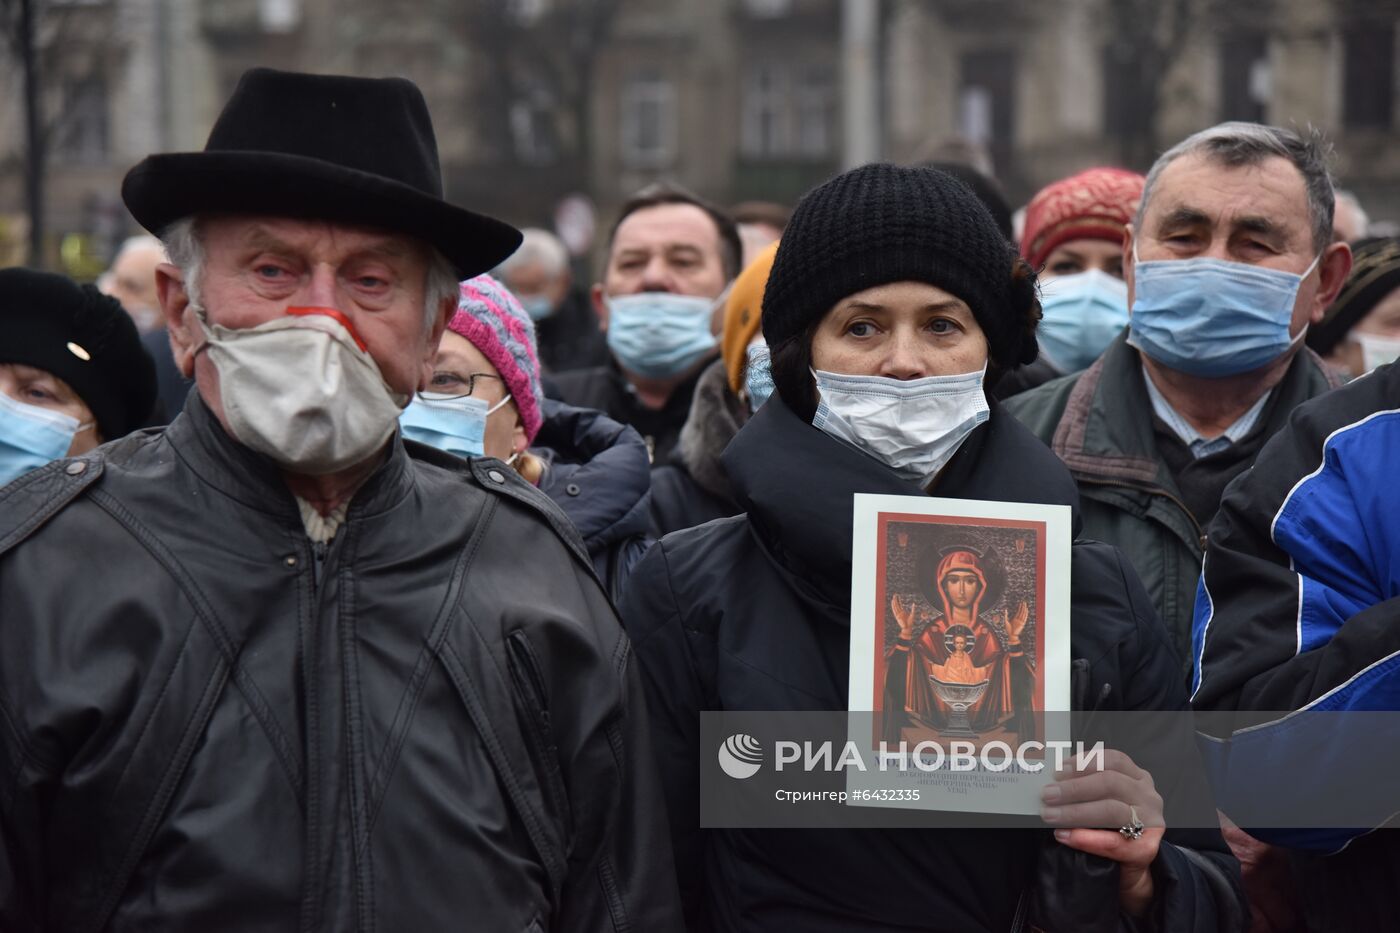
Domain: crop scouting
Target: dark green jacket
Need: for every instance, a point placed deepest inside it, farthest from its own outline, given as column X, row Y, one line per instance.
column 1099, row 422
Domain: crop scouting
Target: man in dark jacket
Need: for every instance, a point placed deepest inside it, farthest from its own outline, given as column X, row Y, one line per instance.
column 1229, row 260
column 311, row 681
column 1299, row 610
column 670, row 256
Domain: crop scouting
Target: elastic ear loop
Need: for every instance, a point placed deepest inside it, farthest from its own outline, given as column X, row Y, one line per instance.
column 510, row 461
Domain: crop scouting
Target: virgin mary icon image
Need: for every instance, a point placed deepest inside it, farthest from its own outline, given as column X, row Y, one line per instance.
column 959, row 664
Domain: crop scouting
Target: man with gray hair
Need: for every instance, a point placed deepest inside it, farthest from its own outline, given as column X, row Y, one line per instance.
column 1228, row 261
column 566, row 329
column 274, row 668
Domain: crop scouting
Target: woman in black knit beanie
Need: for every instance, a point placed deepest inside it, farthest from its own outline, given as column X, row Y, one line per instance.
column 883, row 224
column 892, row 302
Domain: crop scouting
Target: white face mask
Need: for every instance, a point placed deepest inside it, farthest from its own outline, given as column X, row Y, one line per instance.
column 302, row 390
column 1376, row 350
column 914, row 426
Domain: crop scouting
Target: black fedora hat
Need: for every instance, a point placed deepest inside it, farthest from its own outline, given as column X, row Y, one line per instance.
column 351, row 150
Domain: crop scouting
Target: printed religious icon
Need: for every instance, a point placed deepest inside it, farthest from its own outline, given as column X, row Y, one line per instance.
column 959, row 648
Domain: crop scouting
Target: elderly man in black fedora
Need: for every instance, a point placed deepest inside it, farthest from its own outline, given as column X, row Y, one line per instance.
column 273, row 668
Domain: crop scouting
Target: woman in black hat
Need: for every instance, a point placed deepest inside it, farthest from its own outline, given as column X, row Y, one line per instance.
column 892, row 302
column 73, row 373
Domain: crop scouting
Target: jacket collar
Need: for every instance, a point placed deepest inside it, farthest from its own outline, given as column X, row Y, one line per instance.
column 257, row 483
column 797, row 484
column 1106, row 430
column 716, row 415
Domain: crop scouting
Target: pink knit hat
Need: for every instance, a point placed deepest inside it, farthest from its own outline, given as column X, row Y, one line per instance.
column 489, row 316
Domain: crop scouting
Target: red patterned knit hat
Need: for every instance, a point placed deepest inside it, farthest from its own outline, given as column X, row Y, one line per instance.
column 1093, row 205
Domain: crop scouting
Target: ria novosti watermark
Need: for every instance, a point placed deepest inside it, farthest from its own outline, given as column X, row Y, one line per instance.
column 741, row 756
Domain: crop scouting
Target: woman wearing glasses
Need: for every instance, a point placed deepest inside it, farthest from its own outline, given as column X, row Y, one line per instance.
column 484, row 399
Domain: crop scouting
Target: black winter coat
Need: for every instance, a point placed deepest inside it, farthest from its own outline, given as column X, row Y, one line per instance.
column 597, row 473
column 206, row 723
column 752, row 613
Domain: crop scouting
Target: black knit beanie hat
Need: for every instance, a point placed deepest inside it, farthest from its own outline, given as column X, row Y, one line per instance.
column 883, row 223
column 84, row 338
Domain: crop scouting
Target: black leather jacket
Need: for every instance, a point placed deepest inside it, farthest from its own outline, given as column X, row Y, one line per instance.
column 208, row 724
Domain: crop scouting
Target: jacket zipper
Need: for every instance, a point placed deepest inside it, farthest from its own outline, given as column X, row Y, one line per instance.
column 319, row 549
column 540, row 735
column 1152, row 491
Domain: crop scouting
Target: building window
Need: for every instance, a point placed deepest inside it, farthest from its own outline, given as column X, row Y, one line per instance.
column 987, row 102
column 532, row 129
column 1246, row 80
column 761, row 133
column 1369, row 75
column 80, row 134
column 648, row 120
column 1123, row 113
column 816, row 111
column 788, row 112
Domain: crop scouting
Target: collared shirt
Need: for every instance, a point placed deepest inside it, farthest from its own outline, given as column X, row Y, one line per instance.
column 1199, row 445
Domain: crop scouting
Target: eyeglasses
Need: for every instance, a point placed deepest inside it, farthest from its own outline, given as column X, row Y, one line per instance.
column 455, row 386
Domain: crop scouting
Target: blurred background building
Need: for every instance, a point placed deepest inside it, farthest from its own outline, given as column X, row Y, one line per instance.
column 549, row 112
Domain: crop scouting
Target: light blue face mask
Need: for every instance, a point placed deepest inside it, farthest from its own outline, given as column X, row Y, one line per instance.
column 456, row 424
column 1082, row 315
column 758, row 374
column 537, row 306
column 1210, row 317
column 31, row 436
column 659, row 335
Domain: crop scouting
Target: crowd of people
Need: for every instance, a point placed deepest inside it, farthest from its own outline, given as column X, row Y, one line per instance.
column 361, row 569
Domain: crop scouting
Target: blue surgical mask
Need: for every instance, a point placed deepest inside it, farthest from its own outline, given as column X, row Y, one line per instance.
column 456, row 424
column 1082, row 315
column 537, row 306
column 1211, row 317
column 758, row 375
column 31, row 436
column 659, row 335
